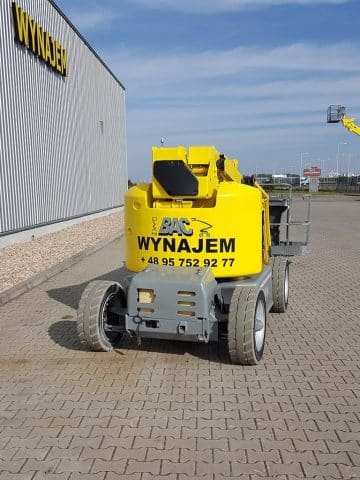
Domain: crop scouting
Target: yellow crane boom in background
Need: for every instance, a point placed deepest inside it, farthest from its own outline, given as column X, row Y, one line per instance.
column 336, row 114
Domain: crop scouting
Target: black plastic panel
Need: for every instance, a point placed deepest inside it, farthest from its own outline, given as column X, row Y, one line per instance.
column 176, row 178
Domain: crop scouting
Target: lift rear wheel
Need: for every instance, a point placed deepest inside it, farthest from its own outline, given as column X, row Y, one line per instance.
column 280, row 284
column 247, row 326
column 96, row 323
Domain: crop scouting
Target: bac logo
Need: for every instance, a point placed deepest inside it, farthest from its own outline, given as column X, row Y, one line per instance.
column 179, row 226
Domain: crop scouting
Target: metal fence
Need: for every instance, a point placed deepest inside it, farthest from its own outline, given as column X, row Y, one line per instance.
column 340, row 184
column 348, row 184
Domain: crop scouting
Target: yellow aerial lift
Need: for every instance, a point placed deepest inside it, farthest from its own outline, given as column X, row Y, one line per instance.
column 203, row 257
column 336, row 114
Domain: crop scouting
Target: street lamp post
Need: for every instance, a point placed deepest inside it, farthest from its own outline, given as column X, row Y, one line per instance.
column 337, row 157
column 348, row 166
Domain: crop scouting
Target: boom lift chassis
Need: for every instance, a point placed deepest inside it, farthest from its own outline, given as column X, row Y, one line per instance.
column 188, row 303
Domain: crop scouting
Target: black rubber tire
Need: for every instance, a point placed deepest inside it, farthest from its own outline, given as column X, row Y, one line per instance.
column 280, row 277
column 241, row 325
column 90, row 317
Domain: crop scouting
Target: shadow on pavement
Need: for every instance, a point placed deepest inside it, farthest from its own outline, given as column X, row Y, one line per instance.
column 71, row 294
column 64, row 333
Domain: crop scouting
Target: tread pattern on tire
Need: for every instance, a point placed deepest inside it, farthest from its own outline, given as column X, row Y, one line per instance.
column 241, row 325
column 279, row 266
column 88, row 315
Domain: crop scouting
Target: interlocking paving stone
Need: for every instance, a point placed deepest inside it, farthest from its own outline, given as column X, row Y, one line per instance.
column 180, row 411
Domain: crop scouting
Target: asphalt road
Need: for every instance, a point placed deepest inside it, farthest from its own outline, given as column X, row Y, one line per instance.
column 181, row 410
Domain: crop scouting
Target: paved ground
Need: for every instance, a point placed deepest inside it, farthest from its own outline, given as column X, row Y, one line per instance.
column 180, row 410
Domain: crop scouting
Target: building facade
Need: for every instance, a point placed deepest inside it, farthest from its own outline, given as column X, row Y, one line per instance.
column 62, row 121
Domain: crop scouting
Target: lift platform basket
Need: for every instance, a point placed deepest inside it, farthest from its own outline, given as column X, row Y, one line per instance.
column 335, row 113
column 281, row 204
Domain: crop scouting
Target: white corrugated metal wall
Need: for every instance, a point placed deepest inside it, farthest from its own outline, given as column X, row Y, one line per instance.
column 62, row 139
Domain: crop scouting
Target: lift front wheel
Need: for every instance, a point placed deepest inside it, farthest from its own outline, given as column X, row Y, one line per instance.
column 97, row 325
column 247, row 326
column 280, row 284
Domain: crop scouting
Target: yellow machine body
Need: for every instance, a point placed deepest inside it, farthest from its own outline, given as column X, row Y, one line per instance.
column 197, row 212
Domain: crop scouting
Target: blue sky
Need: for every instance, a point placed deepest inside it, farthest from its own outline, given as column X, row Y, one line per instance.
column 252, row 77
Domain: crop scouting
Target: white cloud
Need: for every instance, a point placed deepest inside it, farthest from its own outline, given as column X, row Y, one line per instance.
column 88, row 19
column 140, row 70
column 257, row 104
column 214, row 6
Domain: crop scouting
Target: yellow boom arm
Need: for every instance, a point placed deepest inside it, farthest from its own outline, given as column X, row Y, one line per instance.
column 350, row 124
